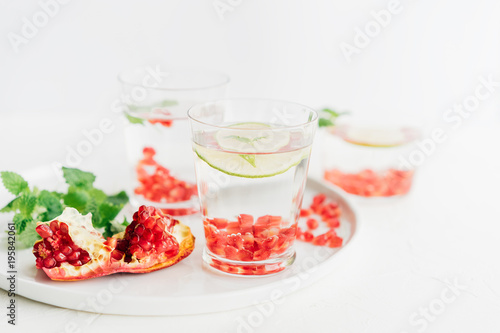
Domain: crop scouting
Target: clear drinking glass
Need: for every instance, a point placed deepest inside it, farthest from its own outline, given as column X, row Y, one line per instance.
column 251, row 161
column 369, row 159
column 156, row 101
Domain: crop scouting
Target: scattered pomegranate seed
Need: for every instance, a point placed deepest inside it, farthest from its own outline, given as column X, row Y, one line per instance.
column 312, row 224
column 369, row 183
column 330, row 212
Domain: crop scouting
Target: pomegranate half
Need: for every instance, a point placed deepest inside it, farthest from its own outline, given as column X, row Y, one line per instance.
column 71, row 249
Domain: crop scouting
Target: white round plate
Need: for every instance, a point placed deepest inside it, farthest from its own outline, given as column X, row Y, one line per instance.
column 188, row 287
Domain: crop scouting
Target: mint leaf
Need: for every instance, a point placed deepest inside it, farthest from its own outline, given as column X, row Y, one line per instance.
column 93, row 207
column 97, row 194
column 30, row 236
column 250, row 159
column 78, row 178
column 108, row 211
column 20, row 222
column 322, row 122
column 52, row 203
column 14, row 183
column 77, row 199
column 120, row 198
column 331, row 112
column 26, row 204
column 134, row 120
column 10, row 207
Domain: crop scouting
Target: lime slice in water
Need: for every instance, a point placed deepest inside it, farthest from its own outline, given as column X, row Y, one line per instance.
column 252, row 138
column 251, row 165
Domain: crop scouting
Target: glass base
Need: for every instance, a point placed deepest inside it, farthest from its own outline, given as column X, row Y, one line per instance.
column 180, row 208
column 249, row 268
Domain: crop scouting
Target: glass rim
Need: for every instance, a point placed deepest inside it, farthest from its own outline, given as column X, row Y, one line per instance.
column 243, row 99
column 224, row 78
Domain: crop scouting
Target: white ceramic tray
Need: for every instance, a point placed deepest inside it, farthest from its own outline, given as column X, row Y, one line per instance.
column 185, row 288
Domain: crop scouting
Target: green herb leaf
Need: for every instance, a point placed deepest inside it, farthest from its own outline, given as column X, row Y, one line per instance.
column 98, row 195
column 93, row 208
column 78, row 178
column 14, row 183
column 134, row 120
column 250, row 159
column 77, row 199
column 30, row 236
column 322, row 122
column 20, row 222
column 52, row 203
column 331, row 112
column 120, row 198
column 108, row 211
column 10, row 207
column 26, row 204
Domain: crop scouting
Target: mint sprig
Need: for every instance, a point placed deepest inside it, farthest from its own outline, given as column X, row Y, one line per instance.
column 329, row 117
column 32, row 205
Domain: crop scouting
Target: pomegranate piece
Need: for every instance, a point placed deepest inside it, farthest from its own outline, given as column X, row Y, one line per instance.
column 76, row 251
column 369, row 183
column 158, row 185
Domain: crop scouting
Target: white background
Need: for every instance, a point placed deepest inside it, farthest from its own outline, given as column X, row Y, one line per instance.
column 429, row 57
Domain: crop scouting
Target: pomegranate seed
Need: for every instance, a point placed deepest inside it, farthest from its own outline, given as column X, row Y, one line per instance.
column 312, row 224
column 63, row 227
column 135, row 239
column 305, row 212
column 308, row 237
column 49, row 262
column 270, row 242
column 319, row 240
column 117, row 255
column 44, row 231
column 75, row 263
column 58, row 256
column 139, row 229
column 122, row 245
column 74, row 255
column 335, row 242
column 54, row 225
column 150, row 223
column 147, row 235
column 66, row 250
column 145, row 245
column 157, row 229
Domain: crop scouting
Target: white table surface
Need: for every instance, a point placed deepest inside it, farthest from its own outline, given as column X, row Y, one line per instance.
column 408, row 254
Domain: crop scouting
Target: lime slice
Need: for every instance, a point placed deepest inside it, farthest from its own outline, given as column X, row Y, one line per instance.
column 375, row 136
column 252, row 138
column 251, row 165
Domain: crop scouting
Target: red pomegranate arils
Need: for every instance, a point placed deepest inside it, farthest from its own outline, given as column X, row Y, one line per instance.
column 329, row 212
column 160, row 185
column 369, row 183
column 141, row 248
column 312, row 224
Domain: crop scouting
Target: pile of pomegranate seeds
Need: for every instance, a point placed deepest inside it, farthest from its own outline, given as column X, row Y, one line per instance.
column 245, row 240
column 163, row 122
column 157, row 184
column 166, row 123
column 146, row 235
column 58, row 247
column 329, row 213
column 369, row 183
